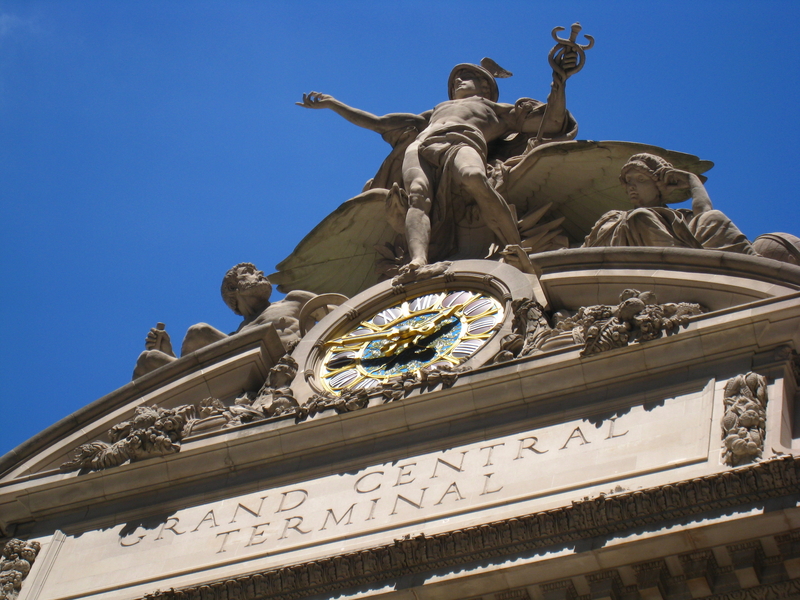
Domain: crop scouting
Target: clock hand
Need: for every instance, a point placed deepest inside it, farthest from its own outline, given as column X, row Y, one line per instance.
column 412, row 334
column 425, row 342
column 358, row 339
column 433, row 325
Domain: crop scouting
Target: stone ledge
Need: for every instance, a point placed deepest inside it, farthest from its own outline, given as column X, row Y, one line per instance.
column 700, row 261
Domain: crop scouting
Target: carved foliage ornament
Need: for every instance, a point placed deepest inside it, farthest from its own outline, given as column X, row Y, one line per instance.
column 744, row 422
column 17, row 558
column 637, row 318
column 155, row 431
column 152, row 431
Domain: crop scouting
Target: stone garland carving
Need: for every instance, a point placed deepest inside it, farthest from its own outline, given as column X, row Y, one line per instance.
column 637, row 318
column 155, row 431
column 394, row 389
column 743, row 425
column 585, row 519
column 17, row 558
column 152, row 431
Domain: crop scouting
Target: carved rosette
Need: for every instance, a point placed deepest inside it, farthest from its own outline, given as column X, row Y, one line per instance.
column 744, row 422
column 17, row 558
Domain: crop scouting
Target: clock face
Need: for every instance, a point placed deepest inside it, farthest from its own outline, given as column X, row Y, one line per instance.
column 439, row 328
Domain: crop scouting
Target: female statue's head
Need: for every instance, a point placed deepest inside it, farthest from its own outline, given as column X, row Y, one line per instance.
column 644, row 178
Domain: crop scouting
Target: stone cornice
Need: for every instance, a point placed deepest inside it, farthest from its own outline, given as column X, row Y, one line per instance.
column 700, row 261
column 782, row 589
column 584, row 519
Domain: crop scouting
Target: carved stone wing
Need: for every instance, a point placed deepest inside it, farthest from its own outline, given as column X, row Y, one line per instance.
column 338, row 255
column 581, row 179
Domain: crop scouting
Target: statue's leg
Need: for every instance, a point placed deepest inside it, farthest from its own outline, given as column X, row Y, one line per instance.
column 199, row 336
column 150, row 360
column 470, row 171
column 417, row 182
column 716, row 231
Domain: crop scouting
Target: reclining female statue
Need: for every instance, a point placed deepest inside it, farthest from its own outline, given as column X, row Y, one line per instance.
column 649, row 180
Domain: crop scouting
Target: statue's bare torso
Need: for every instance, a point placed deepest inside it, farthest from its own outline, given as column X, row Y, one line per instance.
column 490, row 118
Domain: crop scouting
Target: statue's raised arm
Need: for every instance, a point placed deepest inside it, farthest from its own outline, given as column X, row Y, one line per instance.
column 438, row 170
column 362, row 118
column 566, row 58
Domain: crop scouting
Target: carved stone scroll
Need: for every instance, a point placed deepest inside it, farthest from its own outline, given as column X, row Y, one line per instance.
column 744, row 422
column 17, row 558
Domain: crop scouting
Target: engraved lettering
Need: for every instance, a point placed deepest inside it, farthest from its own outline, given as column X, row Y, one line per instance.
column 575, row 435
column 411, row 502
column 451, row 489
column 348, row 513
column 533, row 441
column 303, row 498
column 138, row 539
column 486, row 489
column 167, row 527
column 257, row 534
column 491, row 450
column 611, row 434
column 224, row 535
column 210, row 517
column 458, row 469
column 372, row 509
column 256, row 513
column 403, row 473
column 296, row 527
column 357, row 485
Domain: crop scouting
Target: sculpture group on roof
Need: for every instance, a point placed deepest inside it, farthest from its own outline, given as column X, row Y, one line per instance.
column 449, row 190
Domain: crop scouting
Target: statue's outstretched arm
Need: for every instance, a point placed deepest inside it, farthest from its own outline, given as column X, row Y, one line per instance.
column 361, row 117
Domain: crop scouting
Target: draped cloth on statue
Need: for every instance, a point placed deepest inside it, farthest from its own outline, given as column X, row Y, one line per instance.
column 438, row 150
column 668, row 227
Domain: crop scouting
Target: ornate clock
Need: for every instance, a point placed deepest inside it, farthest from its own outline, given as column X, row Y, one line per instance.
column 444, row 327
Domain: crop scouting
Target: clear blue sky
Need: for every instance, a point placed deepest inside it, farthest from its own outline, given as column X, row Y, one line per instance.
column 146, row 147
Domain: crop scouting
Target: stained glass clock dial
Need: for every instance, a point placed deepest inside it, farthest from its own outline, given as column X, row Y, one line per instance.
column 439, row 328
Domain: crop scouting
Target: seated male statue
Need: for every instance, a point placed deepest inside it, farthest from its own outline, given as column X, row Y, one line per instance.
column 246, row 291
column 440, row 156
column 649, row 180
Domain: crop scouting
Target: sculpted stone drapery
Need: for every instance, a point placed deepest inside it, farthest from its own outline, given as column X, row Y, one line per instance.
column 246, row 291
column 649, row 180
column 440, row 156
